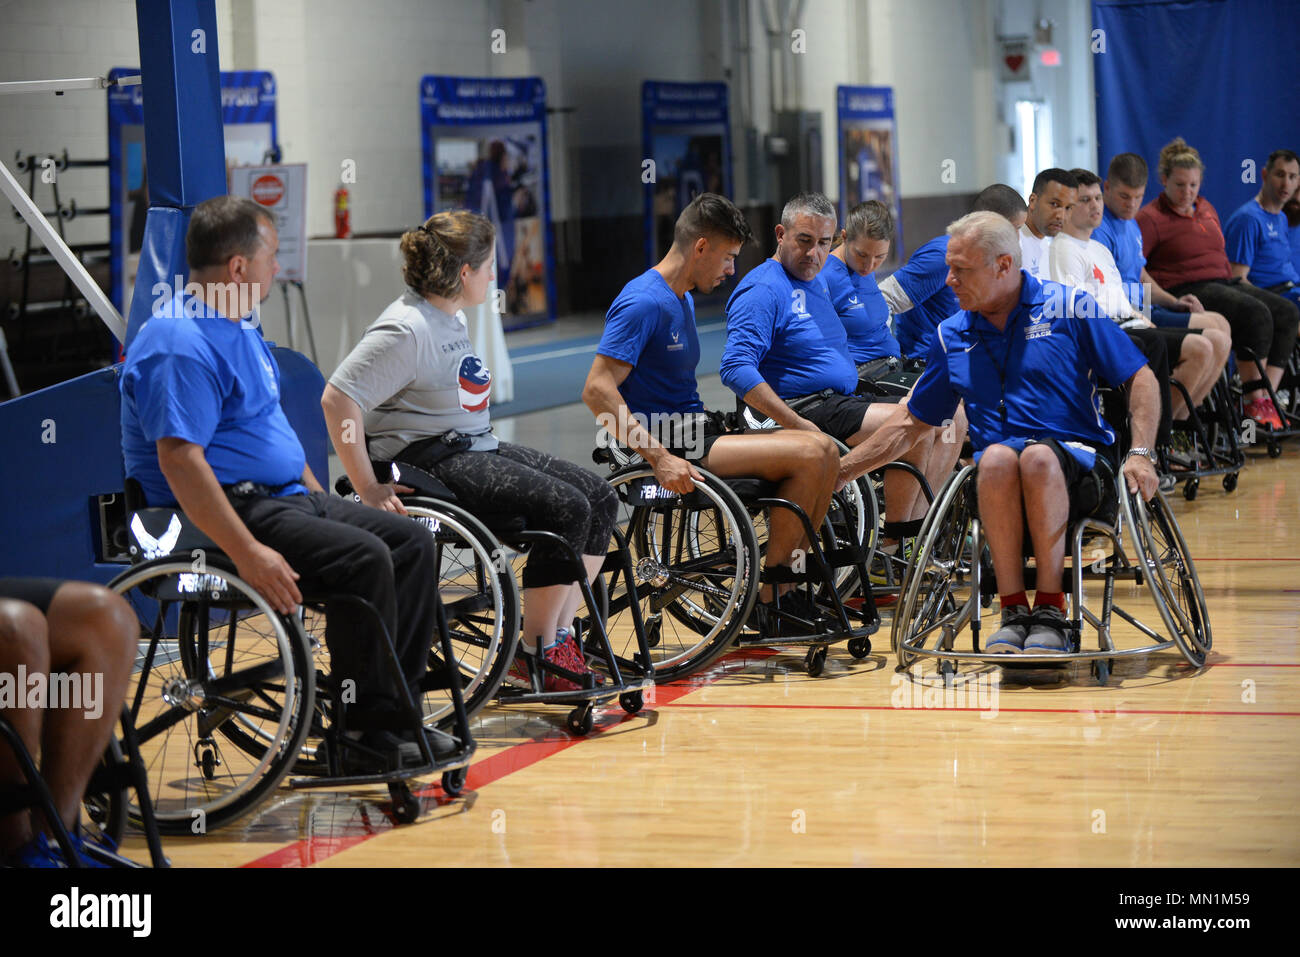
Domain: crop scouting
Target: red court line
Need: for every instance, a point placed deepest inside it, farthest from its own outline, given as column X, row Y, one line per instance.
column 1237, row 664
column 1117, row 712
column 308, row 851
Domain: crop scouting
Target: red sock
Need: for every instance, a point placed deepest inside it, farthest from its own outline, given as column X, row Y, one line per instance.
column 1056, row 598
column 1019, row 598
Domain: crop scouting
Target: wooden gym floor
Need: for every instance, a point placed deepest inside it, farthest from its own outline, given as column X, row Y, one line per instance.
column 755, row 763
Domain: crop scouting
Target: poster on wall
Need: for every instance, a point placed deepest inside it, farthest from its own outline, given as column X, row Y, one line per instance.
column 248, row 118
column 282, row 190
column 686, row 135
column 868, row 151
column 484, row 145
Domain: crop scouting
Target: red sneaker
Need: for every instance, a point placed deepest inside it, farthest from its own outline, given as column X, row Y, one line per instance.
column 1263, row 412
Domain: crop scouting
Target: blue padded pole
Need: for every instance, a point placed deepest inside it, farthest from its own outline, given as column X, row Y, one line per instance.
column 184, row 140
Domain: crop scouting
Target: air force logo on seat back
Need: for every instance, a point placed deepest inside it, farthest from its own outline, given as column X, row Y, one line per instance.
column 474, row 382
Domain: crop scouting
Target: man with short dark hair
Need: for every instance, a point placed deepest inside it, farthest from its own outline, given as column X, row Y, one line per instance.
column 202, row 426
column 1256, row 234
column 1026, row 365
column 918, row 295
column 785, row 341
column 1050, row 202
column 644, row 371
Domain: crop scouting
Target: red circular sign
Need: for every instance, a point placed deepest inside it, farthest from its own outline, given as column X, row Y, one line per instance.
column 268, row 190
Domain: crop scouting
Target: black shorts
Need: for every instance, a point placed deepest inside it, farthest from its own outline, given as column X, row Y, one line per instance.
column 34, row 591
column 1174, row 341
column 693, row 436
column 839, row 416
column 1087, row 488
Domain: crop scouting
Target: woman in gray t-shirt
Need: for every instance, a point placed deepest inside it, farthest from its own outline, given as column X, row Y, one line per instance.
column 414, row 376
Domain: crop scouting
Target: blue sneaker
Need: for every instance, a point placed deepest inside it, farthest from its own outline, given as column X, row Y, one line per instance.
column 38, row 852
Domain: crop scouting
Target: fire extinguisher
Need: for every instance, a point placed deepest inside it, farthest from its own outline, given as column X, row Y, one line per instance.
column 342, row 218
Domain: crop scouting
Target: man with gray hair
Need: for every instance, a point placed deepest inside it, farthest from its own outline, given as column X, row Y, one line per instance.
column 1024, row 356
column 785, row 341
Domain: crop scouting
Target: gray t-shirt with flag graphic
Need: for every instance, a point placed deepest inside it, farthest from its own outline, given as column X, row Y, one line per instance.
column 414, row 374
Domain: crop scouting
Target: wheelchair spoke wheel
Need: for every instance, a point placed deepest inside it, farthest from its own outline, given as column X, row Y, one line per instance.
column 220, row 695
column 478, row 589
column 937, row 584
column 1175, row 587
column 696, row 564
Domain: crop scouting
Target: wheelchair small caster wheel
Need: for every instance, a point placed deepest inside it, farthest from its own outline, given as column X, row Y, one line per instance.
column 1274, row 449
column 1101, row 671
column 815, row 661
column 1230, row 482
column 208, row 764
column 406, row 807
column 948, row 670
column 453, row 782
column 859, row 648
column 1190, row 488
column 580, row 720
column 631, row 702
column 652, row 628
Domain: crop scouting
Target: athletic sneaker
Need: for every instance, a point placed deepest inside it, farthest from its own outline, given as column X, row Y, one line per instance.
column 1263, row 411
column 768, row 623
column 1047, row 634
column 572, row 652
column 557, row 654
column 1010, row 638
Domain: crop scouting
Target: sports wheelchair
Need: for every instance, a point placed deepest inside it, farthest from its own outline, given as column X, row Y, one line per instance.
column 481, row 597
column 949, row 581
column 1205, row 443
column 698, row 563
column 229, row 696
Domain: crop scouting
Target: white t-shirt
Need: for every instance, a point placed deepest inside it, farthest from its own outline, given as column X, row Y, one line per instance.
column 415, row 374
column 1088, row 265
column 1033, row 253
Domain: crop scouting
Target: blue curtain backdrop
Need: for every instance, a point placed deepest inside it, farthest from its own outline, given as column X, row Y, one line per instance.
column 1222, row 74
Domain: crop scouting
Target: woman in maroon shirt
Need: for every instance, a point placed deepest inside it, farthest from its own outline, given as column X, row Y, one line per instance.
column 1183, row 243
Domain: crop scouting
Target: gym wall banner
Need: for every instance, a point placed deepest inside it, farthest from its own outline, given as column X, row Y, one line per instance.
column 282, row 190
column 685, row 132
column 485, row 150
column 868, row 151
column 248, row 117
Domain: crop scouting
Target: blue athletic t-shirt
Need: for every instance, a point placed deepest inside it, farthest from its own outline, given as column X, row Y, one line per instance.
column 1261, row 241
column 1049, row 361
column 785, row 332
column 652, row 330
column 193, row 374
column 1123, row 238
column 924, row 277
column 862, row 309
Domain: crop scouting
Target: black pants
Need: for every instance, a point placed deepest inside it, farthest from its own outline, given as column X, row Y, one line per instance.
column 551, row 494
column 1263, row 324
column 339, row 547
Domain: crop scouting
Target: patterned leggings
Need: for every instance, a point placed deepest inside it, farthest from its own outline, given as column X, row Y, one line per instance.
column 551, row 494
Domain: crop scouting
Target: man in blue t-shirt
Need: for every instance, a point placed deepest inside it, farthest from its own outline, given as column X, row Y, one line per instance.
column 202, row 427
column 642, row 388
column 1121, row 192
column 1257, row 235
column 1025, row 356
column 785, row 341
column 918, row 293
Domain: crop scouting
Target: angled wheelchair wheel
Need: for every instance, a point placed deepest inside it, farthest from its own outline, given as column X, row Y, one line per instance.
column 1171, row 574
column 936, row 592
column 221, row 695
column 696, row 560
column 477, row 586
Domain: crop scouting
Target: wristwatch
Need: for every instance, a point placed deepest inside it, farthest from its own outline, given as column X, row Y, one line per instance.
column 1149, row 455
